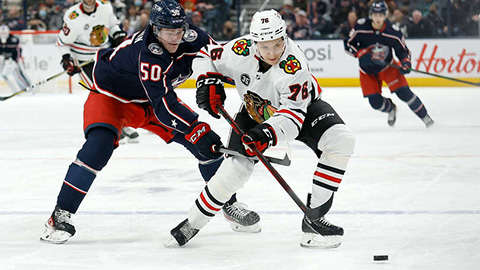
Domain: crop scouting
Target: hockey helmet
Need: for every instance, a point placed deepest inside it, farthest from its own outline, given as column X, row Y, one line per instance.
column 267, row 25
column 168, row 14
column 378, row 7
column 4, row 33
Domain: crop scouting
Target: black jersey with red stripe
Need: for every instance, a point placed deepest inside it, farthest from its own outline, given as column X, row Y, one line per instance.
column 141, row 70
column 379, row 42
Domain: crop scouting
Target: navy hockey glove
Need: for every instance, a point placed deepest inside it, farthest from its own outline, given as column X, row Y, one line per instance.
column 68, row 65
column 210, row 92
column 204, row 139
column 406, row 66
column 262, row 136
column 118, row 37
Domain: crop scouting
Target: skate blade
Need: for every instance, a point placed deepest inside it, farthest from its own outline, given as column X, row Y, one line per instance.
column 255, row 228
column 311, row 240
column 54, row 237
column 172, row 243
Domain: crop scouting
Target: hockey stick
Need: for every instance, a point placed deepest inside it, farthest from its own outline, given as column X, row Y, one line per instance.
column 284, row 162
column 310, row 213
column 31, row 87
column 436, row 75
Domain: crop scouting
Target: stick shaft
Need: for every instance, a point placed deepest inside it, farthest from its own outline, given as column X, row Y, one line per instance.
column 439, row 76
column 37, row 84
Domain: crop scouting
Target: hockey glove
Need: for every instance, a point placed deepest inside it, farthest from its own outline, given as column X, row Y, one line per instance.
column 406, row 66
column 68, row 65
column 204, row 139
column 210, row 92
column 118, row 37
column 262, row 136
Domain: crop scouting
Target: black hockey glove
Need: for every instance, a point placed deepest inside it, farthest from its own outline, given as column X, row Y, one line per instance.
column 204, row 139
column 118, row 37
column 262, row 136
column 406, row 66
column 68, row 65
column 210, row 92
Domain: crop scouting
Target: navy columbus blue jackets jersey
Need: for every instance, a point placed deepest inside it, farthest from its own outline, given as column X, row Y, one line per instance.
column 11, row 48
column 141, row 70
column 381, row 42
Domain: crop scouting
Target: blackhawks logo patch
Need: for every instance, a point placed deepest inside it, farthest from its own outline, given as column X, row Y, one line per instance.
column 291, row 65
column 73, row 15
column 98, row 35
column 258, row 108
column 241, row 47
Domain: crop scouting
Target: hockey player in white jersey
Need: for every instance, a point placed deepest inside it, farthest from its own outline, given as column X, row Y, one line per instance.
column 281, row 102
column 89, row 26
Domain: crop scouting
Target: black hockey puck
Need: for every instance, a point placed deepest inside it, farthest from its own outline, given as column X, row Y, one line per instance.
column 380, row 257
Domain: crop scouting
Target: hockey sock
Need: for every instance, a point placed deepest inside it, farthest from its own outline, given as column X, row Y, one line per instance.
column 415, row 104
column 206, row 207
column 93, row 156
column 378, row 102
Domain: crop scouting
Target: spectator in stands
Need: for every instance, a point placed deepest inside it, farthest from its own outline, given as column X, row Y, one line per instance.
column 14, row 20
column 340, row 14
column 212, row 15
column 419, row 26
column 54, row 18
column 436, row 21
column 345, row 27
column 287, row 12
column 322, row 27
column 229, row 31
column 133, row 15
column 301, row 4
column 127, row 27
column 400, row 20
column 301, row 28
column 197, row 20
column 320, row 8
column 119, row 9
column 361, row 7
column 143, row 21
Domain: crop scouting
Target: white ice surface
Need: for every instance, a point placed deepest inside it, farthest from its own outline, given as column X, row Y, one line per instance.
column 409, row 192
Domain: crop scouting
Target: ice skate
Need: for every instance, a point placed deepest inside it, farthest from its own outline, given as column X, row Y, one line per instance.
column 181, row 234
column 129, row 135
column 428, row 121
column 240, row 218
column 392, row 115
column 320, row 234
column 59, row 227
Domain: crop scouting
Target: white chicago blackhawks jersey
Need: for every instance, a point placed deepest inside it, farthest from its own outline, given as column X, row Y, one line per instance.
column 82, row 34
column 278, row 96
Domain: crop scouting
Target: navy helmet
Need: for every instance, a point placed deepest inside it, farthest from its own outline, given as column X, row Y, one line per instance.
column 168, row 14
column 379, row 7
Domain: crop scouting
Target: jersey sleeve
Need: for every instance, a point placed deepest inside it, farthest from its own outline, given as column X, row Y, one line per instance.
column 212, row 58
column 68, row 34
column 350, row 42
column 168, row 108
column 400, row 46
column 295, row 97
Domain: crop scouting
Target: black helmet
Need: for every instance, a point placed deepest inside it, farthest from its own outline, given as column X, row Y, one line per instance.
column 378, row 7
column 168, row 14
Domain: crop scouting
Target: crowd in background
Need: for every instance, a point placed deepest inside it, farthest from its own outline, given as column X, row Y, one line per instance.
column 306, row 19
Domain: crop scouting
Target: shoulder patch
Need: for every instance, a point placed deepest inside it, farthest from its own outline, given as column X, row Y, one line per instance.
column 73, row 15
column 361, row 21
column 241, row 47
column 104, row 1
column 155, row 48
column 395, row 27
column 190, row 36
column 291, row 65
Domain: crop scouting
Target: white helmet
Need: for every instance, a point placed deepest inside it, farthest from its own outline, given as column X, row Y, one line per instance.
column 267, row 25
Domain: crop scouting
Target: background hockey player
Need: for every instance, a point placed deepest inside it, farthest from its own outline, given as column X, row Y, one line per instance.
column 281, row 102
column 371, row 41
column 88, row 27
column 134, row 86
column 11, row 61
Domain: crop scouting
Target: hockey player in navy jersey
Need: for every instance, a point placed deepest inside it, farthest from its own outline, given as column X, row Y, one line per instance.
column 134, row 86
column 11, row 61
column 372, row 41
column 281, row 103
